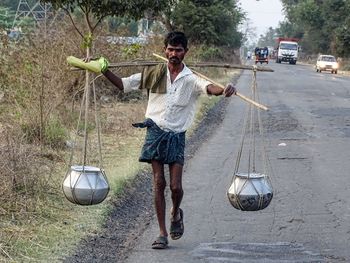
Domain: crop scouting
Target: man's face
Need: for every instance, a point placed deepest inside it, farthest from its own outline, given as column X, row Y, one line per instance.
column 175, row 54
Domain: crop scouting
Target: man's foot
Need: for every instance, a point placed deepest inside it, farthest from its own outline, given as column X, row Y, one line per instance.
column 177, row 226
column 160, row 243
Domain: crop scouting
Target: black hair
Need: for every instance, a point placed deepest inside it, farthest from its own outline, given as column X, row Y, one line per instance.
column 176, row 38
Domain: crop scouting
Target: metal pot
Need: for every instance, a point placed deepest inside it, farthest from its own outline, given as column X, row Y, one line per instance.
column 250, row 192
column 85, row 185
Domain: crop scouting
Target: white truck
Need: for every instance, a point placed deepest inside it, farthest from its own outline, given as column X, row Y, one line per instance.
column 287, row 50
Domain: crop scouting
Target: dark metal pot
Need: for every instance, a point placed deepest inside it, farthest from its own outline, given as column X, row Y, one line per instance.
column 250, row 192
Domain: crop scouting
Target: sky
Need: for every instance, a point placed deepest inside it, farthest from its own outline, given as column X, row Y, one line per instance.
column 263, row 13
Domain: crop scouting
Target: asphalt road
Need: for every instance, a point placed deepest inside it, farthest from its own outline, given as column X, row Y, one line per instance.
column 308, row 139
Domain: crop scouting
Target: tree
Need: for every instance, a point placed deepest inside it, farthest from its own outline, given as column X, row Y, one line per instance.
column 6, row 18
column 94, row 11
column 248, row 32
column 12, row 5
column 323, row 25
column 210, row 22
column 115, row 23
column 269, row 39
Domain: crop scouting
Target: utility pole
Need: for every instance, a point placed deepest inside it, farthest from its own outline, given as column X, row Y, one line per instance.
column 39, row 12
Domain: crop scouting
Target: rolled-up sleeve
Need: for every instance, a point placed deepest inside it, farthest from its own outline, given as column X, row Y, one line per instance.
column 132, row 82
column 201, row 85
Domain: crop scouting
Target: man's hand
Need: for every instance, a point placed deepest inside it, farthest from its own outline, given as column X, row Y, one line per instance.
column 229, row 90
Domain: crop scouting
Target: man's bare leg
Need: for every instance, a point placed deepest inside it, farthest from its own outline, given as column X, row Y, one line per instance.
column 159, row 185
column 176, row 189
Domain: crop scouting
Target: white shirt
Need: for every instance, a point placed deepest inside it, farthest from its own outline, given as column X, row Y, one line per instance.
column 174, row 110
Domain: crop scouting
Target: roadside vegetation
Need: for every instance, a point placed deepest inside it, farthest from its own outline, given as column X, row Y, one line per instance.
column 321, row 26
column 40, row 98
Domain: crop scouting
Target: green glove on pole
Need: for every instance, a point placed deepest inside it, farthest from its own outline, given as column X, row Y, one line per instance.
column 97, row 66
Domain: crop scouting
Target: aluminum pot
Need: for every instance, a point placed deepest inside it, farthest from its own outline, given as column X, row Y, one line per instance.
column 85, row 185
column 250, row 192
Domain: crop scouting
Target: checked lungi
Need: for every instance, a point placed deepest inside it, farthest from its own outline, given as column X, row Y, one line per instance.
column 163, row 146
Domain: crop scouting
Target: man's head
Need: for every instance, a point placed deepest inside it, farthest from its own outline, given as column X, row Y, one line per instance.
column 176, row 38
column 175, row 47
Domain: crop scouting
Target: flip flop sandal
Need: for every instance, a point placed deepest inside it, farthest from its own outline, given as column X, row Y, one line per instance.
column 160, row 243
column 177, row 227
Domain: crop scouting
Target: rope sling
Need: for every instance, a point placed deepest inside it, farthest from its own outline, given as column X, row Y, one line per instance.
column 86, row 185
column 251, row 190
column 236, row 192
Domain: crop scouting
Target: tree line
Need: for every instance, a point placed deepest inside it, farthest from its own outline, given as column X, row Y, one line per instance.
column 322, row 25
column 209, row 22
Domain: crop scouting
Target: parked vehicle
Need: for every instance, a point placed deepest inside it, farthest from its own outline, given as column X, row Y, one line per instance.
column 261, row 55
column 327, row 62
column 287, row 50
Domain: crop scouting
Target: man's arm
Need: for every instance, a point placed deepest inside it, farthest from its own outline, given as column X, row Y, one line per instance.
column 216, row 90
column 116, row 81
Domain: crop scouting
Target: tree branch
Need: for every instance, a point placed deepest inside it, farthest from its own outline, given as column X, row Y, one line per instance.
column 88, row 21
column 71, row 19
column 97, row 23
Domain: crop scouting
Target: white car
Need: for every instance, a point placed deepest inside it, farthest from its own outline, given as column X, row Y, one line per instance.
column 327, row 62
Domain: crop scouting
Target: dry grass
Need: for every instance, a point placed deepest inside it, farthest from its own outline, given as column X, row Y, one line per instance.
column 38, row 90
column 38, row 223
column 34, row 89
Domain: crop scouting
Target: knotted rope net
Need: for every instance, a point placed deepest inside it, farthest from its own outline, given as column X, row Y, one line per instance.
column 92, row 180
column 251, row 189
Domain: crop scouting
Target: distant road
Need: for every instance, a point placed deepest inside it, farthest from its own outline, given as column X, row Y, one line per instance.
column 308, row 219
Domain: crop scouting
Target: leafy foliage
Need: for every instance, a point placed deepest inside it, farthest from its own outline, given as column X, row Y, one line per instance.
column 103, row 8
column 209, row 22
column 117, row 23
column 210, row 53
column 323, row 25
column 14, row 4
column 268, row 39
column 6, row 18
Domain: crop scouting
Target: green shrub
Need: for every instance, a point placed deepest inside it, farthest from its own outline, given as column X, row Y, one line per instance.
column 131, row 51
column 55, row 133
column 210, row 53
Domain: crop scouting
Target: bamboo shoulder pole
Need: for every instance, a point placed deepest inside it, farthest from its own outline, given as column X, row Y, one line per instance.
column 220, row 85
column 143, row 63
column 237, row 94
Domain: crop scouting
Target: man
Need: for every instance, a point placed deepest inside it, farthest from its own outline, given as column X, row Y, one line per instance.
column 173, row 91
column 249, row 55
